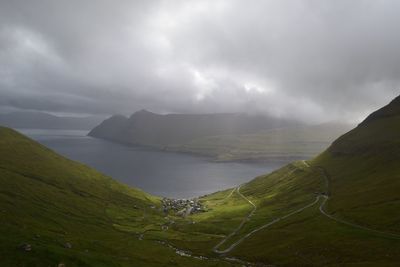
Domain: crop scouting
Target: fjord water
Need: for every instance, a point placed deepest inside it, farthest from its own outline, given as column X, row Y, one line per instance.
column 160, row 173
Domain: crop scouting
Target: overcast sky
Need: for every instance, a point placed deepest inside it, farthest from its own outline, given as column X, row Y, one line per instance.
column 314, row 60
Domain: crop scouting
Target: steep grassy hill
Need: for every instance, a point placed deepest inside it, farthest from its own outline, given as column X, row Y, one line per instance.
column 340, row 209
column 69, row 213
column 364, row 171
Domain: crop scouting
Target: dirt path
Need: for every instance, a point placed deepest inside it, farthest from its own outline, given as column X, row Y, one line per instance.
column 330, row 216
column 230, row 194
column 247, row 218
column 268, row 225
column 324, row 196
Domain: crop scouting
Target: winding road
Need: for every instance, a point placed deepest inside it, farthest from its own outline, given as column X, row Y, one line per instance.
column 354, row 225
column 265, row 226
column 324, row 196
column 247, row 218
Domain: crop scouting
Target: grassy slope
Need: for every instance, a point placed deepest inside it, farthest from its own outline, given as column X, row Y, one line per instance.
column 364, row 181
column 362, row 167
column 311, row 239
column 304, row 239
column 47, row 200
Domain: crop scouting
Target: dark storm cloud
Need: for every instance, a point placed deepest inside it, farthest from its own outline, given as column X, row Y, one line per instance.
column 318, row 60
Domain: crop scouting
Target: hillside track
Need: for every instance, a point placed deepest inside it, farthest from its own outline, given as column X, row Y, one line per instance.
column 322, row 209
column 248, row 217
column 245, row 219
column 325, row 196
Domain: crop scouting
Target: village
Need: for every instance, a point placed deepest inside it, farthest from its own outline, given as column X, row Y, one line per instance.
column 182, row 207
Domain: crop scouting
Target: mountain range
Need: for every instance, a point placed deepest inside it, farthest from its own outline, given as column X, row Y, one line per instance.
column 224, row 137
column 147, row 128
column 338, row 209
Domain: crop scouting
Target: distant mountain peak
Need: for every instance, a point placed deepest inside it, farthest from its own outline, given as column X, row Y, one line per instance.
column 143, row 113
column 148, row 128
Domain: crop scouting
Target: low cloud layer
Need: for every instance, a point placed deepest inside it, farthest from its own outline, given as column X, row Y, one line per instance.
column 313, row 60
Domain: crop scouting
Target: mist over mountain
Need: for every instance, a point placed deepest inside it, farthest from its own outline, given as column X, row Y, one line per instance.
column 312, row 60
column 41, row 120
column 147, row 128
column 273, row 136
column 344, row 202
column 281, row 144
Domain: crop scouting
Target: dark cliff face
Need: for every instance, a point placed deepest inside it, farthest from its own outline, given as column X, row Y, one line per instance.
column 377, row 135
column 110, row 128
column 144, row 127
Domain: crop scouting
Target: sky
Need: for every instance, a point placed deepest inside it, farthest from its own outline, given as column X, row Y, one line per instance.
column 313, row 60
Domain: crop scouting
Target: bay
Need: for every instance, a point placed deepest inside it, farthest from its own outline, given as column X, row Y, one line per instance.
column 160, row 173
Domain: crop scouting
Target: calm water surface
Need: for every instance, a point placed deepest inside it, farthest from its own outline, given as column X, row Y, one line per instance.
column 160, row 173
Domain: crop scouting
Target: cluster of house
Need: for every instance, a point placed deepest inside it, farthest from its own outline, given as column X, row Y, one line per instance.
column 182, row 207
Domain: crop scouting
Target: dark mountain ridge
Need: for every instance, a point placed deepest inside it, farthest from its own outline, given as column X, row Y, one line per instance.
column 147, row 128
column 378, row 133
column 390, row 110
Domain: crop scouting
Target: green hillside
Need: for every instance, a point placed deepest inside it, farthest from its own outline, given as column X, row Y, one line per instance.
column 364, row 171
column 339, row 209
column 68, row 213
